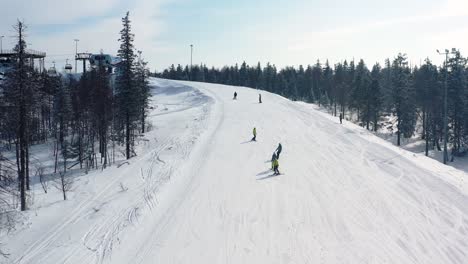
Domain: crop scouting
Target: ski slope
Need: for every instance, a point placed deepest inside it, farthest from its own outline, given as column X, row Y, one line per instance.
column 201, row 192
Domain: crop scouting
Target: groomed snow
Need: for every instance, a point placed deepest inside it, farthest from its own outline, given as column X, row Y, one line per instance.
column 200, row 191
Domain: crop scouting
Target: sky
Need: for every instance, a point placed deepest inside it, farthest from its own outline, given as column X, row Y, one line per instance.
column 282, row 32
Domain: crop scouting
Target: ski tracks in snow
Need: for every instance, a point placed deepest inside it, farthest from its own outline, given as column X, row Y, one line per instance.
column 398, row 201
column 154, row 167
column 179, row 147
column 189, row 182
column 345, row 198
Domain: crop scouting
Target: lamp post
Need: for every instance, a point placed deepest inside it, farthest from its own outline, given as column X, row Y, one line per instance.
column 76, row 54
column 191, row 54
column 1, row 44
column 446, row 53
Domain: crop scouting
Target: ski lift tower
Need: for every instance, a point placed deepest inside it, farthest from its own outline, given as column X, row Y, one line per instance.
column 31, row 55
column 83, row 57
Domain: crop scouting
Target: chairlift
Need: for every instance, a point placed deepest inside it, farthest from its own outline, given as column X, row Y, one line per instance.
column 68, row 66
column 52, row 71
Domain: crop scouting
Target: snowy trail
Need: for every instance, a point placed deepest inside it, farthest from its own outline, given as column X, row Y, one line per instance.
column 88, row 227
column 345, row 197
column 203, row 192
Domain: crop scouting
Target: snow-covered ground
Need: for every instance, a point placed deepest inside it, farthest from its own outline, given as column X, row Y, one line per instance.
column 200, row 191
column 387, row 130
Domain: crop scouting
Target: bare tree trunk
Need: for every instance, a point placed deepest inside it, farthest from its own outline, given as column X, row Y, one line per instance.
column 334, row 105
column 426, row 134
column 143, row 120
column 398, row 132
column 80, row 145
column 127, row 135
column 64, row 154
column 27, row 167
column 22, row 168
column 56, row 155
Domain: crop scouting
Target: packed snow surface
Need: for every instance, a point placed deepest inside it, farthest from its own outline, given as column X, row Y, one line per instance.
column 200, row 191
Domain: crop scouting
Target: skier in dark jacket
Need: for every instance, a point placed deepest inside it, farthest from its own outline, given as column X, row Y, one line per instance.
column 235, row 95
column 259, row 98
column 278, row 150
column 341, row 118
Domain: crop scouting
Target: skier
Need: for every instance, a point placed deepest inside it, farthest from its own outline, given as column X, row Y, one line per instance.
column 341, row 118
column 273, row 158
column 275, row 164
column 254, row 134
column 259, row 98
column 278, row 150
column 235, row 96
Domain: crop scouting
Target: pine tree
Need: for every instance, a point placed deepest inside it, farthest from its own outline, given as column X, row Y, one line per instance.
column 428, row 99
column 101, row 106
column 173, row 74
column 386, row 85
column 457, row 101
column 338, row 83
column 179, row 73
column 317, row 89
column 360, row 93
column 258, row 77
column 144, row 89
column 19, row 98
column 403, row 96
column 126, row 88
column 243, row 74
column 375, row 96
column 62, row 115
column 327, row 84
column 306, row 93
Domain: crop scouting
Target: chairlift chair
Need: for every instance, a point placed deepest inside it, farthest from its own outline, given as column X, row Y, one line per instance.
column 52, row 71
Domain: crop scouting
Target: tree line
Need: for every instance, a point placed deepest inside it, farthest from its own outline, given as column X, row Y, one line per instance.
column 85, row 118
column 411, row 95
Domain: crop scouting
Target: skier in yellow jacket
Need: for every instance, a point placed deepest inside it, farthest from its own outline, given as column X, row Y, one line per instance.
column 275, row 165
column 254, row 134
